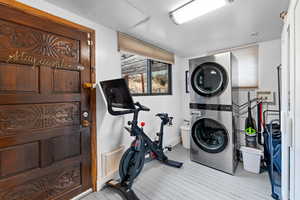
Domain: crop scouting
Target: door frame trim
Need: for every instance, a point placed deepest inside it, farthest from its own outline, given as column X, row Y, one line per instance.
column 42, row 14
column 45, row 15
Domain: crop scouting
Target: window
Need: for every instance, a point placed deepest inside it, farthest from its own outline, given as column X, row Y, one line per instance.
column 145, row 76
column 245, row 67
column 160, row 77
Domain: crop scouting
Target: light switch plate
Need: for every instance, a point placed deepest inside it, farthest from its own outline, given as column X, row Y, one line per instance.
column 267, row 96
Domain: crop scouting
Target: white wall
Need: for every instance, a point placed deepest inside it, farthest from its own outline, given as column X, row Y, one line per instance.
column 110, row 132
column 110, row 128
column 170, row 104
column 292, row 122
column 269, row 58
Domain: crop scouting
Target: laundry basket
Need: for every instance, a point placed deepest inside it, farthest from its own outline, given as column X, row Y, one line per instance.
column 185, row 135
column 251, row 159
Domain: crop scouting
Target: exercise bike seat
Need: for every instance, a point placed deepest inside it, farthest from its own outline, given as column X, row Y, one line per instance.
column 165, row 118
column 162, row 115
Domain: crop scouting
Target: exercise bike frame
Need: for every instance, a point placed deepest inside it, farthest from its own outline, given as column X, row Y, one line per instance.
column 142, row 145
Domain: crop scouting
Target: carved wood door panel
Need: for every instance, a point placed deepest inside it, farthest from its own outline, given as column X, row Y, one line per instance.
column 44, row 149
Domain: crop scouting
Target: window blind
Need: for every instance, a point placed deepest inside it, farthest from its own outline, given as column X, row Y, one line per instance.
column 245, row 64
column 133, row 45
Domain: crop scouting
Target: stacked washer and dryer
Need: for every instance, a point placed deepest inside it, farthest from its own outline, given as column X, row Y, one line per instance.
column 214, row 122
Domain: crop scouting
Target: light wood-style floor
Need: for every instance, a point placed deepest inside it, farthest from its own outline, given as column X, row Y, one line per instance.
column 193, row 182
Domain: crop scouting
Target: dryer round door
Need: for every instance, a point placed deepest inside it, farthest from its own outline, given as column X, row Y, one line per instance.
column 209, row 79
column 210, row 135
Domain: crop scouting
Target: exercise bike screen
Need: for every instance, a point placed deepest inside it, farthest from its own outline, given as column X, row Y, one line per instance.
column 117, row 93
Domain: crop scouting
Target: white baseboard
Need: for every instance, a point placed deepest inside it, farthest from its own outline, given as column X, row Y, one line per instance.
column 101, row 183
column 174, row 142
column 80, row 196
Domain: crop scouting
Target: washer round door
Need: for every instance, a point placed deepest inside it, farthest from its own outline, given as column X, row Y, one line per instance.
column 209, row 79
column 210, row 135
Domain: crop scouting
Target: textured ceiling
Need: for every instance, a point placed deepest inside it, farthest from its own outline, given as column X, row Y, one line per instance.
column 232, row 25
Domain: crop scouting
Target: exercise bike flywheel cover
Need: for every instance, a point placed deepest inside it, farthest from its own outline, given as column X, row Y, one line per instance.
column 128, row 161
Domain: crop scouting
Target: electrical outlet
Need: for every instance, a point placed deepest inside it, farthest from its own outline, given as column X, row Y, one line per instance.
column 266, row 96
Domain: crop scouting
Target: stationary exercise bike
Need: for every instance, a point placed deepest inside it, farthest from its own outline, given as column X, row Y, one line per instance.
column 142, row 149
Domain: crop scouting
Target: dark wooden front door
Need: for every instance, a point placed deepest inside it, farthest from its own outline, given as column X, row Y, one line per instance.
column 44, row 149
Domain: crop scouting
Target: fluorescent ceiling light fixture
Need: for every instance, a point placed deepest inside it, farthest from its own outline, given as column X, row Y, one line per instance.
column 196, row 8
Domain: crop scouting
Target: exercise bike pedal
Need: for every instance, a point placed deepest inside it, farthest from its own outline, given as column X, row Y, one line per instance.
column 169, row 148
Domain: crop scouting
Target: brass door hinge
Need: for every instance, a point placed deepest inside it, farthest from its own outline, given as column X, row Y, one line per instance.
column 89, row 85
column 90, row 42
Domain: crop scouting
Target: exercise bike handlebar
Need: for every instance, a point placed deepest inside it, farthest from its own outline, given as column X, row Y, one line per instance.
column 118, row 112
column 141, row 107
column 128, row 111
